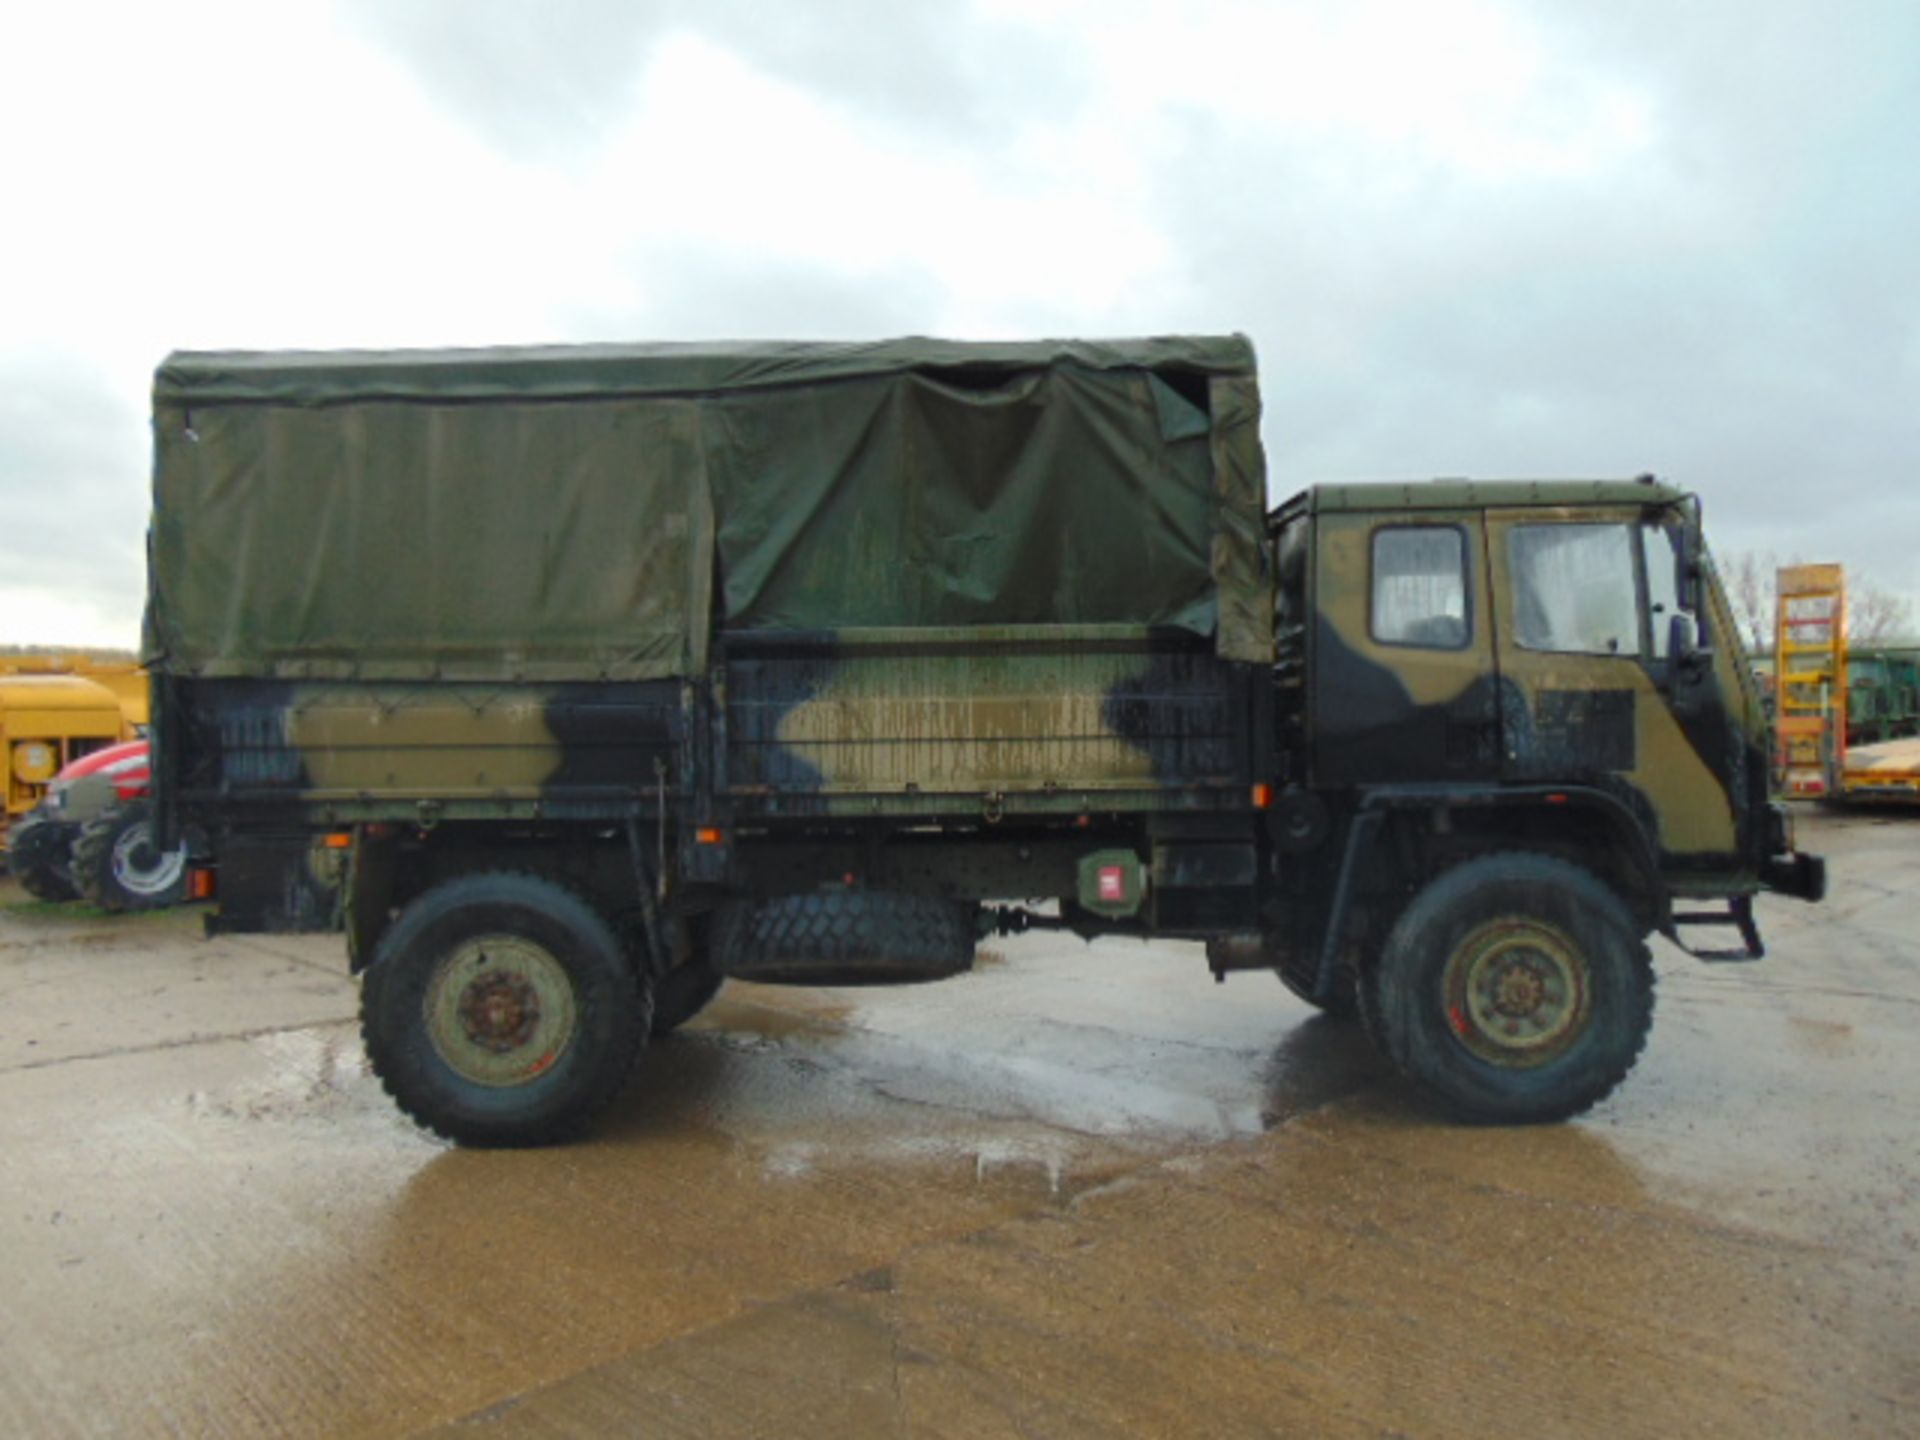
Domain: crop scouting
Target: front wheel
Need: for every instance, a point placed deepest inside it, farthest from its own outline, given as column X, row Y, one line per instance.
column 117, row 865
column 501, row 1009
column 1516, row 988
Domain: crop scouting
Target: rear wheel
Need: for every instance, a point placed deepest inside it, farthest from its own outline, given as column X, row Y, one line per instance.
column 1516, row 988
column 500, row 1009
column 117, row 865
column 40, row 854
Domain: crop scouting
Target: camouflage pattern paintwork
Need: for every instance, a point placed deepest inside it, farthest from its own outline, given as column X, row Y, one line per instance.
column 979, row 724
column 1038, row 722
column 1385, row 713
column 339, row 753
column 1495, row 713
column 1672, row 777
column 842, row 726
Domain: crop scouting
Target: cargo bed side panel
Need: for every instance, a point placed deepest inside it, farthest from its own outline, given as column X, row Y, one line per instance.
column 859, row 727
column 260, row 750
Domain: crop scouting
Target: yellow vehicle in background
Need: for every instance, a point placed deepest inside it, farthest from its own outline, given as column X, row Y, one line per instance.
column 56, row 707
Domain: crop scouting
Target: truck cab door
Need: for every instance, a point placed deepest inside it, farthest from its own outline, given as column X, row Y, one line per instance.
column 1401, row 647
column 1589, row 693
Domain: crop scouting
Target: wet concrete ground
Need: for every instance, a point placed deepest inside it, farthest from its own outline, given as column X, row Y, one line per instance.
column 1080, row 1192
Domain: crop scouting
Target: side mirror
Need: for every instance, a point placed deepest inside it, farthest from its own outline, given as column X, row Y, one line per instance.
column 1687, row 661
column 1683, row 638
column 1687, row 579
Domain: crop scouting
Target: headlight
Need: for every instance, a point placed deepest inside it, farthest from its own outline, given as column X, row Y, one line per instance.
column 35, row 762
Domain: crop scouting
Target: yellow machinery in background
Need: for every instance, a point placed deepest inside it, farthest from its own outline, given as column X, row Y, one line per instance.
column 1812, row 699
column 1810, row 677
column 55, row 708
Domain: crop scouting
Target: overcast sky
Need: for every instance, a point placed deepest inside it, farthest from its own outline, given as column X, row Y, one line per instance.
column 1467, row 237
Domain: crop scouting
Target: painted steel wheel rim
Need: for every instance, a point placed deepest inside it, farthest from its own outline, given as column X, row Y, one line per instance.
column 500, row 1010
column 1517, row 993
column 139, row 869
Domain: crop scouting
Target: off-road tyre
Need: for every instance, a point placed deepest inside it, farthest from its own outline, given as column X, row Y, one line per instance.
column 1514, row 988
column 40, row 854
column 1298, row 973
column 501, row 1010
column 846, row 937
column 117, row 866
column 682, row 993
column 1366, row 1007
column 41, row 857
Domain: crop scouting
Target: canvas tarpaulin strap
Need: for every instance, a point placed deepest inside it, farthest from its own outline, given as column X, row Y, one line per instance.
column 559, row 514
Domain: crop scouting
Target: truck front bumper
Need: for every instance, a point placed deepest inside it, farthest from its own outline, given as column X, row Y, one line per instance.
column 1802, row 876
column 1789, row 872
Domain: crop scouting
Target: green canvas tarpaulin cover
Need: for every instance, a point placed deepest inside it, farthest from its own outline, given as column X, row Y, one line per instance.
column 593, row 512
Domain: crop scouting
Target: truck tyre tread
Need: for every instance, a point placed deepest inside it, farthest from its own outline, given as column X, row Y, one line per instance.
column 94, row 851
column 1406, row 1005
column 613, row 1003
column 844, row 937
column 40, row 854
column 41, row 857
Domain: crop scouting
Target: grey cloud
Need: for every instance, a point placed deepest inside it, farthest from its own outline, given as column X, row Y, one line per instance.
column 544, row 82
column 1742, row 312
column 73, row 484
column 689, row 293
column 536, row 81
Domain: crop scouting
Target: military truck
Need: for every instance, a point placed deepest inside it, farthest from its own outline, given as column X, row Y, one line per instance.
column 609, row 673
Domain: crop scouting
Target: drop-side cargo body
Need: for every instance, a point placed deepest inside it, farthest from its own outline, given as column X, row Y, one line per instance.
column 804, row 580
column 568, row 682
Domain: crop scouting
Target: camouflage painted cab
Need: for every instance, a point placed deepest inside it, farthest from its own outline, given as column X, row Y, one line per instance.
column 1517, row 737
column 570, row 682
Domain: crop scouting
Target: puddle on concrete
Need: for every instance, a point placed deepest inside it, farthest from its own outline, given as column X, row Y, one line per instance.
column 317, row 1075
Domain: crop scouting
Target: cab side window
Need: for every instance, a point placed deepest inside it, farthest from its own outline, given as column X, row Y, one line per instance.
column 1420, row 587
column 1574, row 589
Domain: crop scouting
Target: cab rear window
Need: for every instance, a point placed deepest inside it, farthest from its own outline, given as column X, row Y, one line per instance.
column 1420, row 587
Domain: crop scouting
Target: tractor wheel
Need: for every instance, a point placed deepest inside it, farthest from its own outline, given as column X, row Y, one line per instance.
column 40, row 854
column 500, row 1009
column 1514, row 987
column 118, row 867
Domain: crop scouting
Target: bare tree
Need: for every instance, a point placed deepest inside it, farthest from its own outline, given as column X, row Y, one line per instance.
column 1749, row 577
column 1876, row 616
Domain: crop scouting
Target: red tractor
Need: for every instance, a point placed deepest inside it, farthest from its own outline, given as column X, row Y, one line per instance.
column 93, row 835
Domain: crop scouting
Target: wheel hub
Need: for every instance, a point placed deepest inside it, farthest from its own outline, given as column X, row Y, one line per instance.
column 141, row 869
column 500, row 1010
column 1517, row 992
